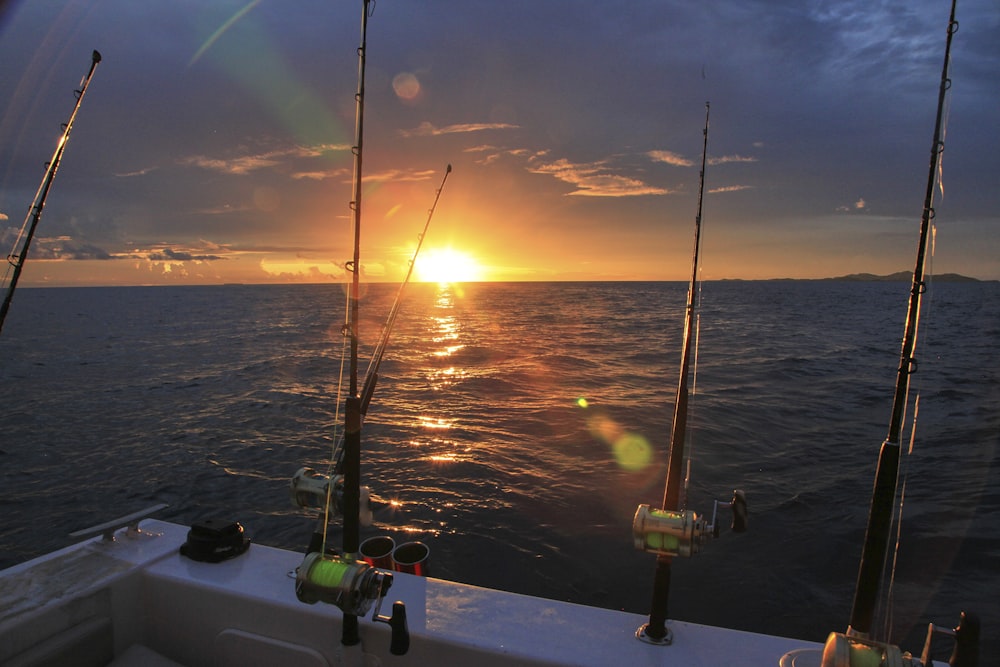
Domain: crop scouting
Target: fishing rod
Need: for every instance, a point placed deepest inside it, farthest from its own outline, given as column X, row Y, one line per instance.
column 877, row 534
column 310, row 489
column 352, row 406
column 372, row 374
column 17, row 258
column 675, row 530
column 371, row 377
column 344, row 580
column 675, row 460
column 857, row 645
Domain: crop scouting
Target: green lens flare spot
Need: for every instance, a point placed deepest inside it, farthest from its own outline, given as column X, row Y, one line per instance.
column 582, row 402
column 632, row 451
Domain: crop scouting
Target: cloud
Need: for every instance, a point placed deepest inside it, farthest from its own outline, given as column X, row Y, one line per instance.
column 171, row 255
column 859, row 205
column 591, row 179
column 399, row 175
column 385, row 176
column 321, row 175
column 65, row 248
column 726, row 159
column 497, row 152
column 669, row 157
column 595, row 179
column 729, row 188
column 245, row 164
column 302, row 269
column 224, row 209
column 138, row 172
column 427, row 129
column 237, row 166
column 177, row 254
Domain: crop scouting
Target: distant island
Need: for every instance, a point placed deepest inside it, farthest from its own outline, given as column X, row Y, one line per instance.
column 899, row 276
column 905, row 276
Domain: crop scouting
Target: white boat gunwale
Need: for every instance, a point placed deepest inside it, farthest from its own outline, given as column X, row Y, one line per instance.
column 139, row 591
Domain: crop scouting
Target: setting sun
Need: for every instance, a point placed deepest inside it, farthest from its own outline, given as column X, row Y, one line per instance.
column 447, row 265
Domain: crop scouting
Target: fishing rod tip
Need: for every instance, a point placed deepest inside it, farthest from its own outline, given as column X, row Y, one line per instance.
column 448, row 169
column 97, row 56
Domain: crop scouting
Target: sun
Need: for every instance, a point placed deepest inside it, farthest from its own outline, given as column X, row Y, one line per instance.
column 447, row 265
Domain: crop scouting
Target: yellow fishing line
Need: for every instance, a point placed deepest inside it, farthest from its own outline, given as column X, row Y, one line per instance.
column 328, row 573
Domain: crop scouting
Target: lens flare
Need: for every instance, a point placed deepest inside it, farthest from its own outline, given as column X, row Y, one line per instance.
column 222, row 29
column 406, row 85
column 632, row 451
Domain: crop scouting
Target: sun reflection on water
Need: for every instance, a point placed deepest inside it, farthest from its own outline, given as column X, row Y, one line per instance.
column 445, row 335
column 435, row 422
column 446, row 331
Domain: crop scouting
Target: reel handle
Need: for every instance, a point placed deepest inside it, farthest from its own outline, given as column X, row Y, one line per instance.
column 966, row 636
column 400, row 642
column 740, row 513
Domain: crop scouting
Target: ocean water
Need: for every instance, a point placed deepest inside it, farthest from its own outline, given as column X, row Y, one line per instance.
column 478, row 443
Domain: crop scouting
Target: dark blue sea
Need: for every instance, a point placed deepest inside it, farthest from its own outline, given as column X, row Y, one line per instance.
column 478, row 442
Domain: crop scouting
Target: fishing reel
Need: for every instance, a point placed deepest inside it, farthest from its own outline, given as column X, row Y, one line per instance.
column 310, row 489
column 351, row 586
column 683, row 532
column 844, row 650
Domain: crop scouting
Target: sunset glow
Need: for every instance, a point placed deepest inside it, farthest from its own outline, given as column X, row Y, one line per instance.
column 447, row 265
column 253, row 182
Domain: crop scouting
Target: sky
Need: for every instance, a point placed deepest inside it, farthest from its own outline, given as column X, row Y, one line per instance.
column 214, row 142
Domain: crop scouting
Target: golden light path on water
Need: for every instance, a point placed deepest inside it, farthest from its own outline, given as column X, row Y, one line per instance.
column 632, row 451
column 446, row 332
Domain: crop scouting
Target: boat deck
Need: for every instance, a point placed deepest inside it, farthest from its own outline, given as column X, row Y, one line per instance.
column 136, row 598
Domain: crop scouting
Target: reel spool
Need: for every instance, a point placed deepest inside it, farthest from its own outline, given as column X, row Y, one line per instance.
column 351, row 586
